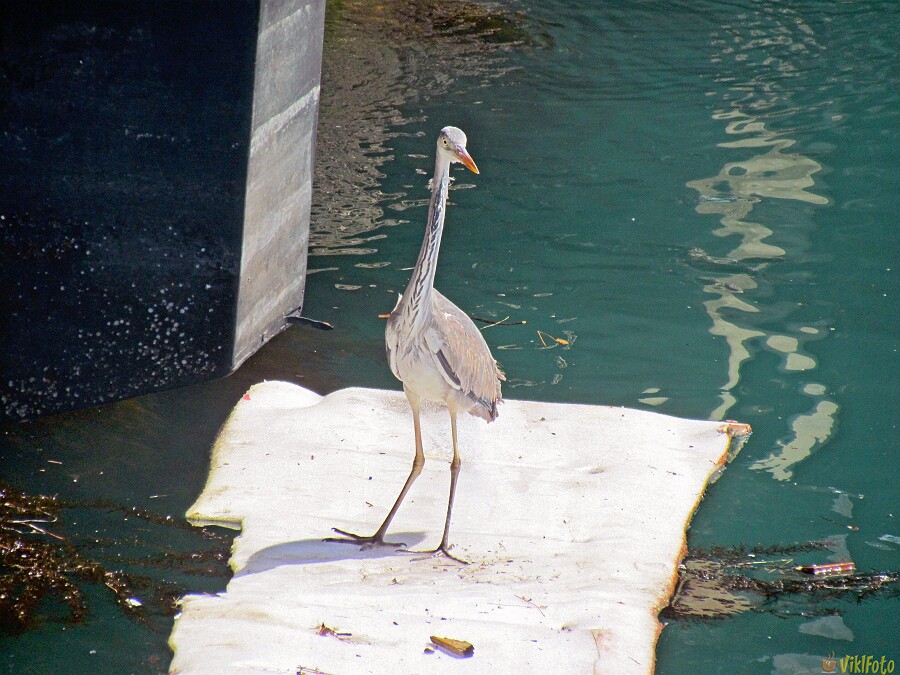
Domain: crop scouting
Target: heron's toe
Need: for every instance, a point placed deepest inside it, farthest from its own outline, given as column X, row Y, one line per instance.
column 364, row 542
column 439, row 552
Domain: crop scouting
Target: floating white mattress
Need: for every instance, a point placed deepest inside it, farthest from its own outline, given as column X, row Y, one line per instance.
column 572, row 517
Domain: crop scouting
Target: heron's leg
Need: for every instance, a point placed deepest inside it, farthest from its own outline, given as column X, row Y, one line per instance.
column 454, row 473
column 377, row 539
column 444, row 547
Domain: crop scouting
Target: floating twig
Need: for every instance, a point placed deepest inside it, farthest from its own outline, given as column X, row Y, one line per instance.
column 501, row 322
column 41, row 530
column 557, row 340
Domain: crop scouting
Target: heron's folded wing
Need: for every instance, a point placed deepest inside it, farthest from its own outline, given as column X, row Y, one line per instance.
column 461, row 354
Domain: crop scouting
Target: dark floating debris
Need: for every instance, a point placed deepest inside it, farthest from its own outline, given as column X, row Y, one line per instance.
column 720, row 582
column 295, row 318
column 38, row 566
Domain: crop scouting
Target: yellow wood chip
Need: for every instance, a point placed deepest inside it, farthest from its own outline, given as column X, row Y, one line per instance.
column 455, row 647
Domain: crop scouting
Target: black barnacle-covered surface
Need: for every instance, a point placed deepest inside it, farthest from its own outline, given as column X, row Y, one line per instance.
column 124, row 131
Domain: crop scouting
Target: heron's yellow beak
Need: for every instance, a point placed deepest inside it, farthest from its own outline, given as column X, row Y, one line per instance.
column 466, row 159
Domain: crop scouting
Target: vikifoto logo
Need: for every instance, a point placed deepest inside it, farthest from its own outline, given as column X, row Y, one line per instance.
column 860, row 663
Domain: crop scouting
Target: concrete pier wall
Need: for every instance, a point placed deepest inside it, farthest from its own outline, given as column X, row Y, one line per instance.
column 279, row 177
column 154, row 203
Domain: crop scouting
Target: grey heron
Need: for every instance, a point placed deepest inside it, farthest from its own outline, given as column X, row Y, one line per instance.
column 434, row 348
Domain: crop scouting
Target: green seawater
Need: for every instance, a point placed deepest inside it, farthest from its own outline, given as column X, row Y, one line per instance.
column 699, row 198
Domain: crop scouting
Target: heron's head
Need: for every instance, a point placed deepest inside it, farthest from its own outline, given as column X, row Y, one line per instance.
column 452, row 142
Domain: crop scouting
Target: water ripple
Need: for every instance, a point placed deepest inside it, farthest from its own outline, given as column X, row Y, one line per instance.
column 376, row 58
column 765, row 54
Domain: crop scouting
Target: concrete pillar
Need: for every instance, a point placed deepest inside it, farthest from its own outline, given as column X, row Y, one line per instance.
column 279, row 177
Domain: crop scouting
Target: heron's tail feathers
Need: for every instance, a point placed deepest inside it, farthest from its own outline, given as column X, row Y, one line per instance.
column 486, row 410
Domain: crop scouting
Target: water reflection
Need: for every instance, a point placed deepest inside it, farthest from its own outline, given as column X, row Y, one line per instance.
column 771, row 172
column 377, row 57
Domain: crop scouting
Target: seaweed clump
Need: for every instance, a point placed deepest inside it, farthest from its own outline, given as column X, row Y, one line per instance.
column 43, row 572
column 720, row 582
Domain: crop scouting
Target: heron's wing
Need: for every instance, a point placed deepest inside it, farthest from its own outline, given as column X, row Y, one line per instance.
column 462, row 356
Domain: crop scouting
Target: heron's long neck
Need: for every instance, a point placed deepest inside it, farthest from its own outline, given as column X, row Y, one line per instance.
column 417, row 297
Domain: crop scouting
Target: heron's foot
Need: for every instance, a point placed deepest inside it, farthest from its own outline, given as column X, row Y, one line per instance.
column 441, row 551
column 371, row 541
